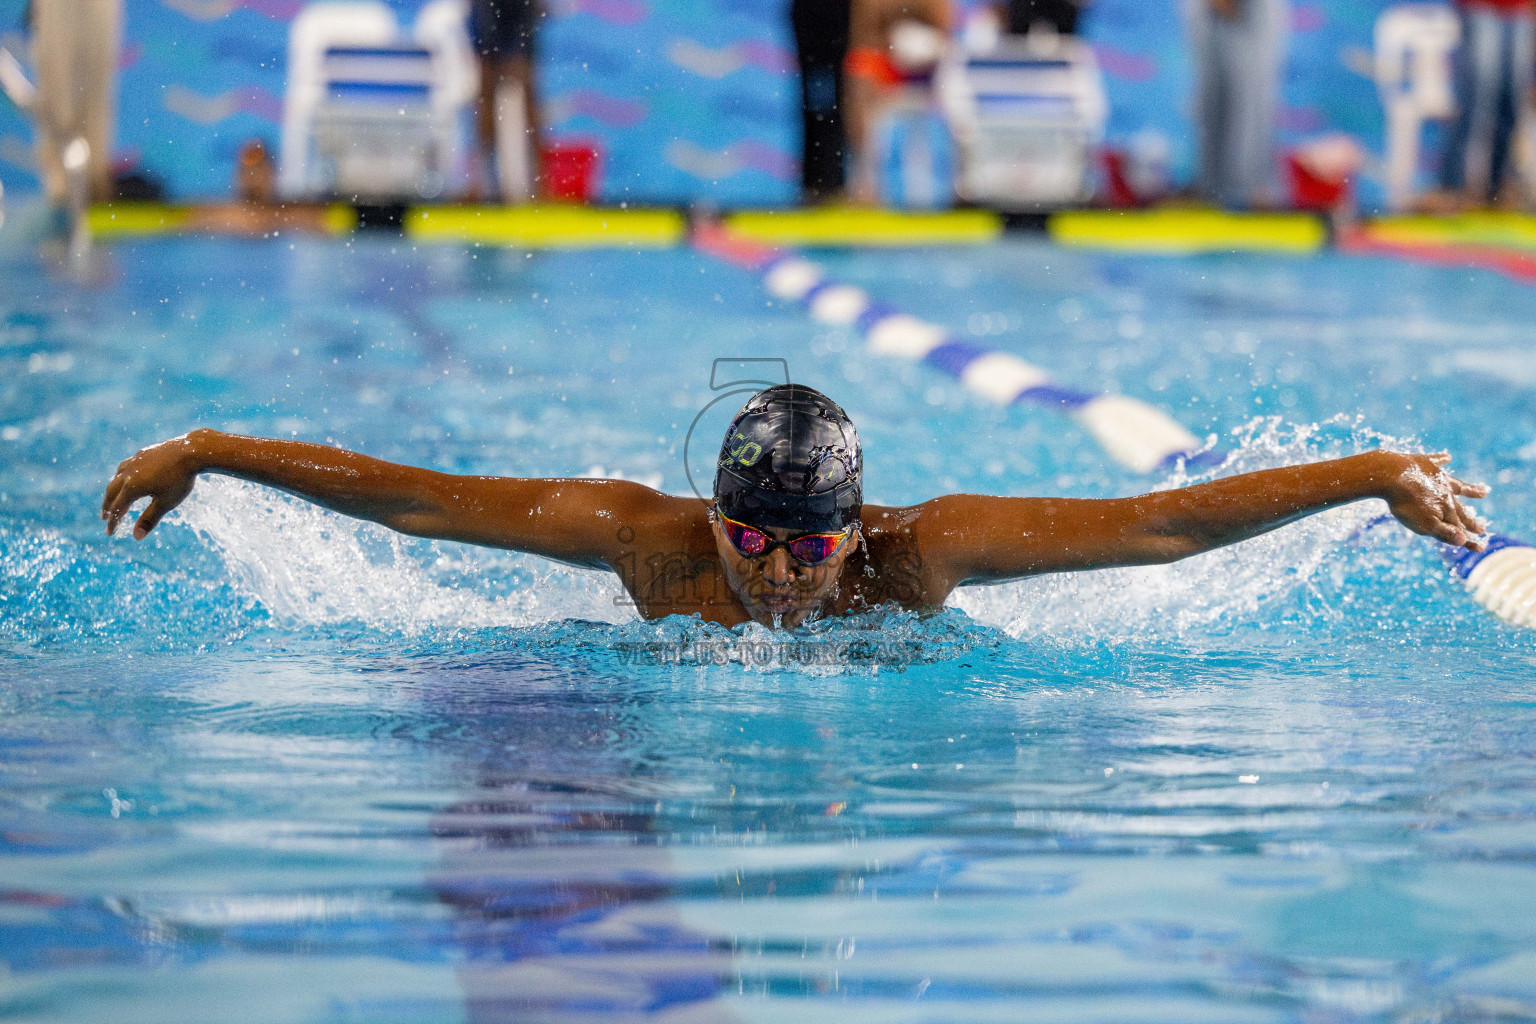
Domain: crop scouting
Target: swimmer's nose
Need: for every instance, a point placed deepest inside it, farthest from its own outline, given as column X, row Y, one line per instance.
column 779, row 570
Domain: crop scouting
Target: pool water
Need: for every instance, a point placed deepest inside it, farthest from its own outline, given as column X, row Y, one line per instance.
column 271, row 765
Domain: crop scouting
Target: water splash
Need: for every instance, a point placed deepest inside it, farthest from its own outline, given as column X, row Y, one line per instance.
column 58, row 588
column 879, row 642
column 1260, row 579
column 309, row 566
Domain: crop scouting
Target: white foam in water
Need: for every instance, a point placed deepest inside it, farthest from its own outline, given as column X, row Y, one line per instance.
column 1230, row 585
column 1226, row 585
column 307, row 565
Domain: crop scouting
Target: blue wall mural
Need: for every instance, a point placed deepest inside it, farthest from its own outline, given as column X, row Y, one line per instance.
column 688, row 100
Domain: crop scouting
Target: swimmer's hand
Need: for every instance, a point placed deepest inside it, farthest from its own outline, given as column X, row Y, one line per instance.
column 1427, row 499
column 163, row 473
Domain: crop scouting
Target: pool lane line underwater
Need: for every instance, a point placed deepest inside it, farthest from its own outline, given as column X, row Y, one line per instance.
column 1144, row 439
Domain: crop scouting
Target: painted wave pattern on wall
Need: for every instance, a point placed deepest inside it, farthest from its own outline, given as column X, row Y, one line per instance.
column 688, row 100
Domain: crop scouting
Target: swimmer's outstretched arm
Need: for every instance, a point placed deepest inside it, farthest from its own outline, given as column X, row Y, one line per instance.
column 976, row 539
column 573, row 521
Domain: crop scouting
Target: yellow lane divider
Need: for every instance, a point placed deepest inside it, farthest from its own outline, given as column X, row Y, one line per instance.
column 551, row 227
column 1184, row 231
column 841, row 226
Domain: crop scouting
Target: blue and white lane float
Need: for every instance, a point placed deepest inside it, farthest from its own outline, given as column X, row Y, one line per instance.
column 1501, row 578
column 1140, row 437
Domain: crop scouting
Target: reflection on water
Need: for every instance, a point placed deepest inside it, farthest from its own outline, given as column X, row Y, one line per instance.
column 271, row 766
column 480, row 825
column 558, row 883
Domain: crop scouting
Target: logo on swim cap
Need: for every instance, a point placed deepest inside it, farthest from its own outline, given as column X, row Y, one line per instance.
column 831, row 466
column 791, row 458
column 740, row 450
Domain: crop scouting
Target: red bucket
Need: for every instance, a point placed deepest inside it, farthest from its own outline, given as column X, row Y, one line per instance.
column 1118, row 192
column 571, row 171
column 1311, row 190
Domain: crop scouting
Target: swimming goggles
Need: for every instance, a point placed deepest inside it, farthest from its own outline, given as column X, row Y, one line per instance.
column 808, row 549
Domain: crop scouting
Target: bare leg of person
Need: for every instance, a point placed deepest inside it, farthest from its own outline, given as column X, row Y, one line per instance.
column 482, row 174
column 520, row 71
column 860, row 117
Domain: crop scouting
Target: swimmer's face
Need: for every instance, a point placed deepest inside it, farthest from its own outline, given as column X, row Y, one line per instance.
column 775, row 584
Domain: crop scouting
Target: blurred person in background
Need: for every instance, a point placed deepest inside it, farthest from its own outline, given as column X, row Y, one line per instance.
column 1239, row 50
column 1493, row 78
column 502, row 32
column 255, row 174
column 821, row 45
column 1020, row 17
column 257, row 210
column 74, row 51
column 891, row 43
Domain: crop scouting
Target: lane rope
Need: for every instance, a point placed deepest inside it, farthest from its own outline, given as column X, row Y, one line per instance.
column 1501, row 578
column 1138, row 436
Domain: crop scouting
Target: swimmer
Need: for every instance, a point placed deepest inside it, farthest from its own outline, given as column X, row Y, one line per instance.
column 788, row 538
column 258, row 209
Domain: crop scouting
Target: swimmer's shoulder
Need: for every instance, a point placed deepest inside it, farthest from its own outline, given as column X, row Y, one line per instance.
column 667, row 559
column 929, row 549
column 893, row 567
column 655, row 521
column 882, row 521
column 911, row 523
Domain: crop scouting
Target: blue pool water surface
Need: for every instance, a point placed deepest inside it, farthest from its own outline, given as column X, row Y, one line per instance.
column 271, row 765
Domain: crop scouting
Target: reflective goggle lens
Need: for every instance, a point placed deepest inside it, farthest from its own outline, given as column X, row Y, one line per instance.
column 749, row 540
column 814, row 548
column 807, row 549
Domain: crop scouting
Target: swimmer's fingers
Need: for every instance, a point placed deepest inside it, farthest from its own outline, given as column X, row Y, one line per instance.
column 162, row 472
column 1468, row 490
column 1433, row 513
column 1457, row 520
column 1469, row 519
column 151, row 516
column 1461, row 514
column 1458, row 527
column 123, row 498
column 1448, row 530
column 113, row 486
column 162, row 500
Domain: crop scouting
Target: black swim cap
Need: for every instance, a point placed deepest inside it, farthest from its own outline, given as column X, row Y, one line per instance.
column 791, row 459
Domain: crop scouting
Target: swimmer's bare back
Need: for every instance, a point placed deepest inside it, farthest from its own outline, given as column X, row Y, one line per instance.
column 668, row 554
